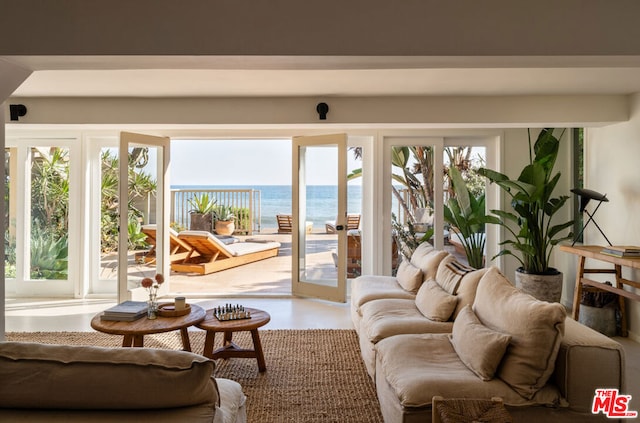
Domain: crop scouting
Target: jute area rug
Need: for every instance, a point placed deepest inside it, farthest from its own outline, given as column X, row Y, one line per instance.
column 312, row 375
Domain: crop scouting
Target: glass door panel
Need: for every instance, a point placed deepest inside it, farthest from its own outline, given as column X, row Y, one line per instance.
column 49, row 222
column 416, row 212
column 143, row 254
column 354, row 211
column 319, row 189
column 468, row 239
column 10, row 212
column 109, row 217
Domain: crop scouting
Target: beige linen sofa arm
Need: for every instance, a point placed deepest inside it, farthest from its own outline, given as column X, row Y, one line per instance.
column 587, row 361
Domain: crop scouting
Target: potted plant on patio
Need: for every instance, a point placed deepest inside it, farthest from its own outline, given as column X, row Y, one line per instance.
column 224, row 220
column 530, row 223
column 467, row 215
column 201, row 213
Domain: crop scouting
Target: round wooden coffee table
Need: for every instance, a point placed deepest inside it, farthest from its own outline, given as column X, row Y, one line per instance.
column 229, row 349
column 135, row 331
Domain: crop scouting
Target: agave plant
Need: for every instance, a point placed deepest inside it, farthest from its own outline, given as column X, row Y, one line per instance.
column 48, row 256
column 223, row 213
column 533, row 235
column 202, row 203
column 467, row 214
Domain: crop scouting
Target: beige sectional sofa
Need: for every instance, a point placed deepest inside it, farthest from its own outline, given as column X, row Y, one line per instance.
column 458, row 333
column 53, row 383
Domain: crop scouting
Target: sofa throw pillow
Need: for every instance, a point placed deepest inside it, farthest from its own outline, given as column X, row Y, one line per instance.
column 434, row 302
column 479, row 348
column 428, row 259
column 466, row 292
column 450, row 273
column 536, row 328
column 409, row 276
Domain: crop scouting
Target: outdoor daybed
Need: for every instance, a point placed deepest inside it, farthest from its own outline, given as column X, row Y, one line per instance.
column 59, row 383
column 438, row 329
column 214, row 255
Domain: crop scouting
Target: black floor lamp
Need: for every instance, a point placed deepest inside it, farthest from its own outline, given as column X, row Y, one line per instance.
column 585, row 196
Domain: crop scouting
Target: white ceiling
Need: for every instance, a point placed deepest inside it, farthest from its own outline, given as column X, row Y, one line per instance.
column 190, row 76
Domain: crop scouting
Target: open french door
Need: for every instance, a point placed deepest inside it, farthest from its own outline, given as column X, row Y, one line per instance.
column 319, row 259
column 143, row 159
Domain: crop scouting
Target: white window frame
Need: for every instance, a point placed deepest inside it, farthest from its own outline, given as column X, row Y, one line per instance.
column 23, row 285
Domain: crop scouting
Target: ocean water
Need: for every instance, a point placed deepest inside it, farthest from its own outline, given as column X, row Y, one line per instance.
column 276, row 199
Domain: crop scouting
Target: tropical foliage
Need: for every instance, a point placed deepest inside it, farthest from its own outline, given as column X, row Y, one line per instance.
column 466, row 213
column 140, row 186
column 49, row 254
column 223, row 213
column 49, row 216
column 49, row 212
column 533, row 234
column 413, row 187
column 202, row 203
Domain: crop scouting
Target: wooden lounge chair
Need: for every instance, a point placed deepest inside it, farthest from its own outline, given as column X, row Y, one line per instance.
column 178, row 250
column 353, row 222
column 285, row 224
column 214, row 256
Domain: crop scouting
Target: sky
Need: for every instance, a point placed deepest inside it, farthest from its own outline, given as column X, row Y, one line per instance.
column 246, row 162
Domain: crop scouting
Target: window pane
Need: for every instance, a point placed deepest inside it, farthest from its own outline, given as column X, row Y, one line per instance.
column 49, row 212
column 109, row 215
column 467, row 241
column 412, row 199
column 9, row 216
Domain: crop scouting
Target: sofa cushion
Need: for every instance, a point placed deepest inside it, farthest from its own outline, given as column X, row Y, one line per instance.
column 417, row 367
column 434, row 302
column 427, row 259
column 536, row 328
column 373, row 287
column 479, row 348
column 73, row 377
column 467, row 289
column 384, row 318
column 409, row 276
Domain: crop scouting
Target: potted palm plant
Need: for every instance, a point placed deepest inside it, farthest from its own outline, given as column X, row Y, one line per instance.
column 467, row 215
column 533, row 236
column 224, row 220
column 201, row 213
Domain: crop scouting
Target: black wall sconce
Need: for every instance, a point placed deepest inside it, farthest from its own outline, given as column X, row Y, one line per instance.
column 17, row 110
column 322, row 109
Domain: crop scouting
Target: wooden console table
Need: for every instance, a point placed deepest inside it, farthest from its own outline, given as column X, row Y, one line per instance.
column 593, row 252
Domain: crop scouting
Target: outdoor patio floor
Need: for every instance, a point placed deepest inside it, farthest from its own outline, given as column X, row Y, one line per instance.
column 270, row 277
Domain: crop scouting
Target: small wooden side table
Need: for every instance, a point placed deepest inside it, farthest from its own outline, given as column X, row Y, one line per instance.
column 229, row 349
column 616, row 264
column 134, row 332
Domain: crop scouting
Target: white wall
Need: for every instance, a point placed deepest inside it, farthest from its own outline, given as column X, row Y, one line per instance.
column 409, row 112
column 12, row 77
column 612, row 159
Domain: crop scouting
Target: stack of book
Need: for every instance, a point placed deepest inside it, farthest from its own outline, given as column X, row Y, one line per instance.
column 127, row 311
column 621, row 251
